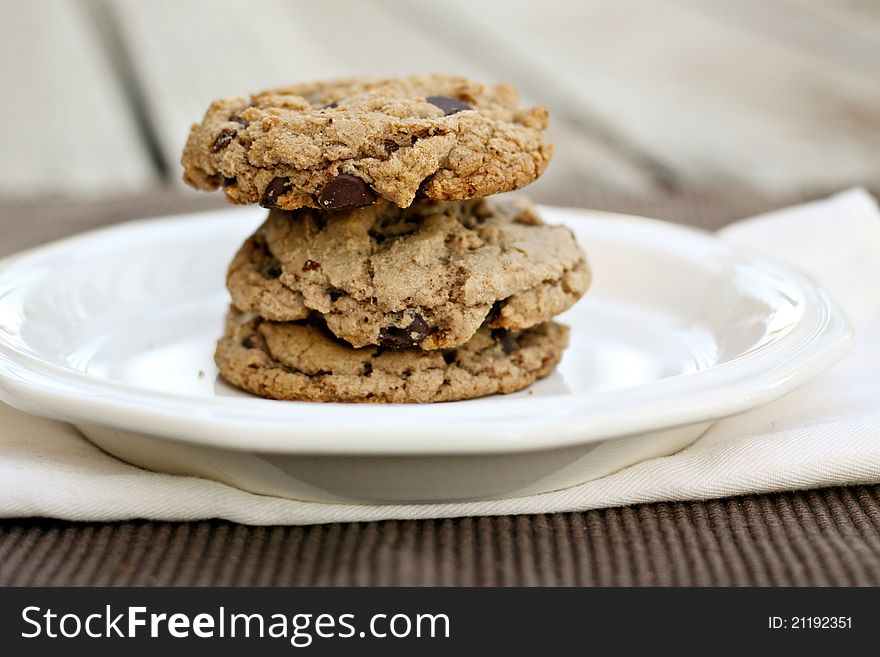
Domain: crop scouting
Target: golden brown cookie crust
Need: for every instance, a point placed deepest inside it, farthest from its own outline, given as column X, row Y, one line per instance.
column 301, row 361
column 429, row 275
column 347, row 143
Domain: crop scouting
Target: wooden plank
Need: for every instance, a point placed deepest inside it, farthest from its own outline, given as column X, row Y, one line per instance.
column 862, row 16
column 188, row 53
column 64, row 123
column 684, row 94
column 840, row 40
column 710, row 99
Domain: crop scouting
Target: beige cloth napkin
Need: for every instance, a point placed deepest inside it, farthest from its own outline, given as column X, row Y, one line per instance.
column 823, row 434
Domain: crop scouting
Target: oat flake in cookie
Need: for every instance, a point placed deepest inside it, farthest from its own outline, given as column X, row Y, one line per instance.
column 427, row 276
column 302, row 361
column 348, row 143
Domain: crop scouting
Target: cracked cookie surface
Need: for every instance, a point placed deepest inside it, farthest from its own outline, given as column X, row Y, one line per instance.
column 302, row 361
column 429, row 275
column 351, row 142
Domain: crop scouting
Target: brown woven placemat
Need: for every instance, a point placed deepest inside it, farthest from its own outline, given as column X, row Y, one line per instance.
column 827, row 537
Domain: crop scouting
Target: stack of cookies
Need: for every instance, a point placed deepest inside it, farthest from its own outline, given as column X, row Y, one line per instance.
column 382, row 273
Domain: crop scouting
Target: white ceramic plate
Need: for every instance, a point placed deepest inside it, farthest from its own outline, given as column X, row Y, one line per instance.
column 114, row 331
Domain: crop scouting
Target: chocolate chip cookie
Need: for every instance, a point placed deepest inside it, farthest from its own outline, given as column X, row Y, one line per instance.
column 429, row 275
column 351, row 142
column 303, row 361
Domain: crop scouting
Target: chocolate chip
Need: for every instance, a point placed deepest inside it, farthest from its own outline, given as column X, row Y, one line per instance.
column 223, row 139
column 450, row 356
column 270, row 266
column 420, row 325
column 380, row 238
column 505, row 337
column 494, row 312
column 311, row 265
column 368, row 369
column 422, row 191
column 394, row 336
column 448, row 105
column 272, row 270
column 335, row 294
column 346, row 191
column 390, row 146
column 278, row 187
column 249, row 342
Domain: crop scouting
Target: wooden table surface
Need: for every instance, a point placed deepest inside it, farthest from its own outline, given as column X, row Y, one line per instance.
column 779, row 98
